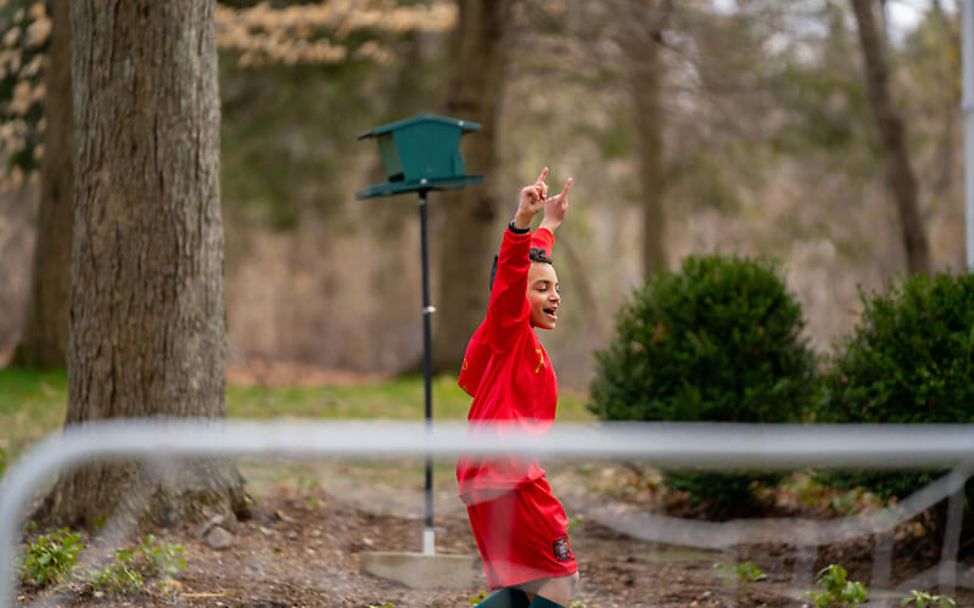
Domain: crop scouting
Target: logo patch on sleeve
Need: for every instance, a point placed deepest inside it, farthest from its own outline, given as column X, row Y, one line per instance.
column 562, row 550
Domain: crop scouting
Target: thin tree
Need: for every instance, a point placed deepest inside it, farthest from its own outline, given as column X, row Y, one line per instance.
column 147, row 311
column 475, row 90
column 640, row 37
column 900, row 175
column 45, row 334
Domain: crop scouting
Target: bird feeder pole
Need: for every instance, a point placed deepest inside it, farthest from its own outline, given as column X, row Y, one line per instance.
column 420, row 154
column 429, row 538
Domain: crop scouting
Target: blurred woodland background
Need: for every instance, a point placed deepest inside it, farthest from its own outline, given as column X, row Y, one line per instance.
column 747, row 126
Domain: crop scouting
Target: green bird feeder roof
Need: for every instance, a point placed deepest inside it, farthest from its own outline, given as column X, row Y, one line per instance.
column 465, row 125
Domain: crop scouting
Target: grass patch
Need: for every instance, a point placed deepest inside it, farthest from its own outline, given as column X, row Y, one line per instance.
column 396, row 399
column 33, row 403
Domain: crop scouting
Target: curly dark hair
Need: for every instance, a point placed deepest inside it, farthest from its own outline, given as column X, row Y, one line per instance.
column 539, row 255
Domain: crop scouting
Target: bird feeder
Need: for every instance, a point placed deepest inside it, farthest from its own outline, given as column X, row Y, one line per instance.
column 421, row 153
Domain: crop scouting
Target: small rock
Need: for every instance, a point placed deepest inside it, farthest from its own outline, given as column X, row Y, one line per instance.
column 216, row 520
column 292, row 535
column 219, row 539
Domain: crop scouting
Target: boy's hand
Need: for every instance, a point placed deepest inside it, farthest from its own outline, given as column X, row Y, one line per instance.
column 531, row 201
column 556, row 208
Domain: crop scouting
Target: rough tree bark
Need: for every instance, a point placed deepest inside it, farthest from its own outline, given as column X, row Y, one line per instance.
column 640, row 27
column 147, row 311
column 469, row 242
column 892, row 132
column 44, row 341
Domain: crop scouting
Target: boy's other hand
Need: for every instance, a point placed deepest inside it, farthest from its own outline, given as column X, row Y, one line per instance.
column 556, row 207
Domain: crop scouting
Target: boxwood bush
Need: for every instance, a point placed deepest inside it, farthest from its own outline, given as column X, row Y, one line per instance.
column 720, row 340
column 909, row 360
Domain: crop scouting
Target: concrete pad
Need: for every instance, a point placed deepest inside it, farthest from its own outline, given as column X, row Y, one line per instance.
column 419, row 571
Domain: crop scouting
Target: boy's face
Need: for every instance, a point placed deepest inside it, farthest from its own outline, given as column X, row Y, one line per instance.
column 543, row 295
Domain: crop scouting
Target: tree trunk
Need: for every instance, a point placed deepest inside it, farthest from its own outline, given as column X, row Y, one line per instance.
column 640, row 34
column 892, row 132
column 44, row 341
column 147, row 311
column 470, row 239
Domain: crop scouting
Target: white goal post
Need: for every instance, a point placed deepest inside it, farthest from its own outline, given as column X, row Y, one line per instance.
column 702, row 445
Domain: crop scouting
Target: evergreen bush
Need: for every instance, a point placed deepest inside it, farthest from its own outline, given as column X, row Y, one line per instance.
column 720, row 341
column 909, row 360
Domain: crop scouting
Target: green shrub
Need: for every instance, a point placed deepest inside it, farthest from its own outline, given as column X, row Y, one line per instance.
column 119, row 576
column 909, row 360
column 836, row 590
column 130, row 568
column 49, row 557
column 720, row 340
column 925, row 599
column 746, row 572
column 52, row 557
column 162, row 560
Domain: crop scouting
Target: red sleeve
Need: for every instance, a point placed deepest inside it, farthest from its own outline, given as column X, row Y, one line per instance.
column 543, row 238
column 508, row 307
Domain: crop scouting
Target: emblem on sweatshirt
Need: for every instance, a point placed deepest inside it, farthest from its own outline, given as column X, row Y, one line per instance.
column 562, row 550
column 541, row 360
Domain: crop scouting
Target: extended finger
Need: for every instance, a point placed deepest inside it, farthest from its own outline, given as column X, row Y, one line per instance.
column 544, row 174
column 567, row 187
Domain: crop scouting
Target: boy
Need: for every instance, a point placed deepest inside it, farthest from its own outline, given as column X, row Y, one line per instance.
column 519, row 526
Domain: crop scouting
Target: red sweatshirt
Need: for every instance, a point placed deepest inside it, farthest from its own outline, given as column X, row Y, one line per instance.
column 506, row 370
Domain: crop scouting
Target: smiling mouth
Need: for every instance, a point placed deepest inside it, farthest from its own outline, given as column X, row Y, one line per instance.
column 552, row 313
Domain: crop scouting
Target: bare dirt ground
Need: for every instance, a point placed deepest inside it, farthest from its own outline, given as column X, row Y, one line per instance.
column 303, row 548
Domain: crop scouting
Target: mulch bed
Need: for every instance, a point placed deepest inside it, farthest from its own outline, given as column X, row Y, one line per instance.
column 302, row 548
